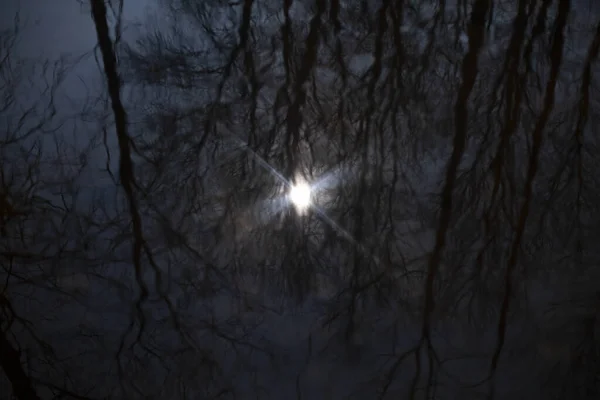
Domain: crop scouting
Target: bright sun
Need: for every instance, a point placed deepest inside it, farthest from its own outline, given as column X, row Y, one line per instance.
column 300, row 196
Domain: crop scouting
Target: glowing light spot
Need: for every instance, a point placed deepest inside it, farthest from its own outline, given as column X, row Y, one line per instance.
column 300, row 196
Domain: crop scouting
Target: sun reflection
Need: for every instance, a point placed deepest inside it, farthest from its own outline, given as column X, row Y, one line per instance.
column 300, row 196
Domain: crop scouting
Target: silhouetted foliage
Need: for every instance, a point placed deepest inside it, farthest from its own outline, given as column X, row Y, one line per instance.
column 449, row 250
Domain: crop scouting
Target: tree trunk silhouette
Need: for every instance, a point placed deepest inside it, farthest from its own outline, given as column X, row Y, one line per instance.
column 11, row 364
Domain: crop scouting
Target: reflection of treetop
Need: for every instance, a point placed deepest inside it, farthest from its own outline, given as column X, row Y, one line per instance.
column 452, row 212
